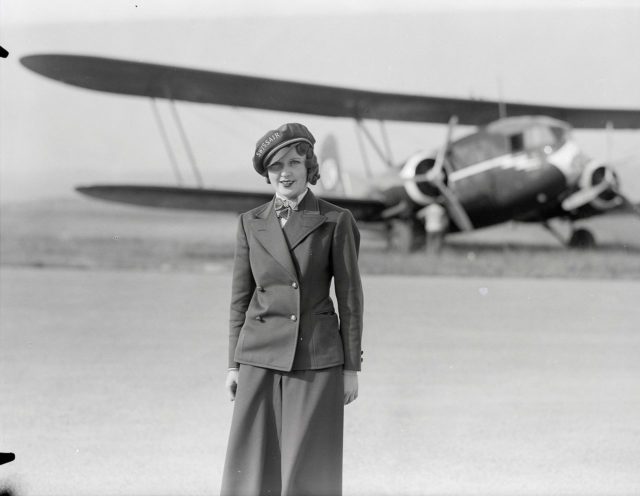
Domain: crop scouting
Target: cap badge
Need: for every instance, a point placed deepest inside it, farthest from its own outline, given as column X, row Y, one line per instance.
column 265, row 144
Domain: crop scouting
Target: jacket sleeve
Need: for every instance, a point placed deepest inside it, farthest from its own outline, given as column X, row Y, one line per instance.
column 348, row 287
column 242, row 288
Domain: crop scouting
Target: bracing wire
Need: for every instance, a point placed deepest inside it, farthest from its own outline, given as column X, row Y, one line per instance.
column 167, row 144
column 187, row 145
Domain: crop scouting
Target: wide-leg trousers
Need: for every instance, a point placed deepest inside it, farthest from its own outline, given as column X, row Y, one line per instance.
column 286, row 433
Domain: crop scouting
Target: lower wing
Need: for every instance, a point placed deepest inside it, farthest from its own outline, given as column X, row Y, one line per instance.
column 216, row 200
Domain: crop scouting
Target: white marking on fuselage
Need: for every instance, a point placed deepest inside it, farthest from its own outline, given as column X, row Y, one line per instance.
column 520, row 161
column 478, row 168
column 562, row 158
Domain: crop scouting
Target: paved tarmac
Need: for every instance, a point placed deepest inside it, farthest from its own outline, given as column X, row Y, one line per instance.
column 111, row 384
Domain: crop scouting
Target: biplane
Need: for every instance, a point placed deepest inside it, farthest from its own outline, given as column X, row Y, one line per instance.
column 521, row 163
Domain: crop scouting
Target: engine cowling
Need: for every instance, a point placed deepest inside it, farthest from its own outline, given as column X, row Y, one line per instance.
column 421, row 192
column 593, row 175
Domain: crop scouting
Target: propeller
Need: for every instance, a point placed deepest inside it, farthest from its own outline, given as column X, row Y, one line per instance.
column 454, row 207
column 584, row 196
column 435, row 177
column 587, row 195
column 436, row 171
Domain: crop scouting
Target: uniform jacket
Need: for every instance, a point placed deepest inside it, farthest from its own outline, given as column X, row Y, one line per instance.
column 282, row 316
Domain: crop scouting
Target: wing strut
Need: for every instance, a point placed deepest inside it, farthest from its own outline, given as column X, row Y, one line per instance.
column 167, row 144
column 373, row 143
column 363, row 151
column 187, row 145
column 385, row 140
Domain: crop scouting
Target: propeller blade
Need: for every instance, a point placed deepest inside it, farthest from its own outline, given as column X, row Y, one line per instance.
column 584, row 196
column 454, row 207
column 436, row 170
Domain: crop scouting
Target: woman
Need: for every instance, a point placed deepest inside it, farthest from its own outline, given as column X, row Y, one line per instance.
column 293, row 362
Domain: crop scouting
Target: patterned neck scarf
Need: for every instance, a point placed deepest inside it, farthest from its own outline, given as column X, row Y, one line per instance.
column 284, row 207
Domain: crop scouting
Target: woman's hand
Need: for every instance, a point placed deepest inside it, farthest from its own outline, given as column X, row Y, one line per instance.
column 232, row 383
column 350, row 385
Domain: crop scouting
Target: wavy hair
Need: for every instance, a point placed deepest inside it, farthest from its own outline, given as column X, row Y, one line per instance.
column 310, row 162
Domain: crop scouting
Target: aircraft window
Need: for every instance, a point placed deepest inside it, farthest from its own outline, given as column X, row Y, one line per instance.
column 559, row 133
column 476, row 148
column 538, row 137
column 517, row 142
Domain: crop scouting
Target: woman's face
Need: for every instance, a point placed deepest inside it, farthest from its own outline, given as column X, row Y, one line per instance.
column 288, row 175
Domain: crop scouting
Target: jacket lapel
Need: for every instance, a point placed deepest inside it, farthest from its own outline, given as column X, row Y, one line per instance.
column 267, row 230
column 305, row 221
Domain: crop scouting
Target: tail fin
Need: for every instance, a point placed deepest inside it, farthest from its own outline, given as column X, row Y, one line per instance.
column 332, row 177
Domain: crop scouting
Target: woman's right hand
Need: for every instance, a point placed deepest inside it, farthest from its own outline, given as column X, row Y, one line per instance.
column 232, row 383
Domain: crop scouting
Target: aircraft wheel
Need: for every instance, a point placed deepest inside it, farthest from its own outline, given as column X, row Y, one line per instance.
column 582, row 239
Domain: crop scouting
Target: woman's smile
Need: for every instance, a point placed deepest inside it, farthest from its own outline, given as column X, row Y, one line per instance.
column 288, row 174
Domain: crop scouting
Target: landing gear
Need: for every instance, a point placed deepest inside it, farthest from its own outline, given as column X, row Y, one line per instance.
column 582, row 239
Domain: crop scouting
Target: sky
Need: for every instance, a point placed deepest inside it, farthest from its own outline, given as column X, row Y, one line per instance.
column 30, row 11
column 54, row 136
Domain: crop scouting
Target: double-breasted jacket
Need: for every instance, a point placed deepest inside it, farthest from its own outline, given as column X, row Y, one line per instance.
column 282, row 316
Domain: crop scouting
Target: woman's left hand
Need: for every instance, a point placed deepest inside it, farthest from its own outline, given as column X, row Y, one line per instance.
column 350, row 385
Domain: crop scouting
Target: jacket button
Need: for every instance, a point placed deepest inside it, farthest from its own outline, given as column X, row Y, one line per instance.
column 294, row 318
column 259, row 318
column 294, row 285
column 260, row 288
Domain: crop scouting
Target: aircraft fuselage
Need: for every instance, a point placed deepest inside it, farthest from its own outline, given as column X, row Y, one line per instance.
column 513, row 169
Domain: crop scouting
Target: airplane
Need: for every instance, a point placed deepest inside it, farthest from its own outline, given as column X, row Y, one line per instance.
column 521, row 163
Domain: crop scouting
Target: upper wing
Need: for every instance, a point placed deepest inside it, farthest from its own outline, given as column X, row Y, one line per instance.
column 217, row 200
column 179, row 83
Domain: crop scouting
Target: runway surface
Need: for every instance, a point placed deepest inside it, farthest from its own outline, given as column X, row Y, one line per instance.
column 112, row 384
